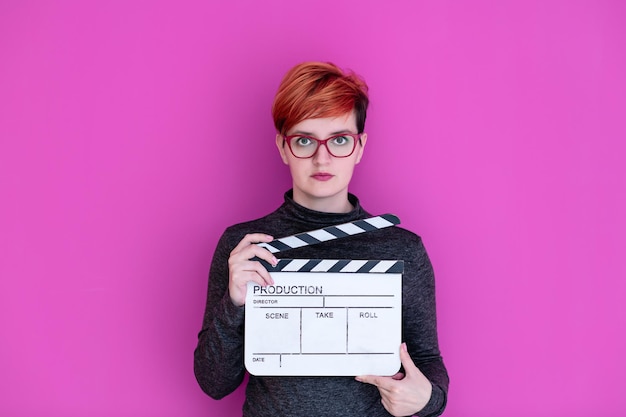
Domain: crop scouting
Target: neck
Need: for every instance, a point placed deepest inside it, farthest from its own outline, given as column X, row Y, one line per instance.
column 331, row 204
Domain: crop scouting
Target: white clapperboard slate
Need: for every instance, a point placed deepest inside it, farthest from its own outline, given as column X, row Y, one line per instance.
column 325, row 317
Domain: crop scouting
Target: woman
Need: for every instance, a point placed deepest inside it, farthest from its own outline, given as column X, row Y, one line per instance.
column 319, row 113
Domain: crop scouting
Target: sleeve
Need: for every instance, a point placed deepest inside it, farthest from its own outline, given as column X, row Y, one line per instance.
column 420, row 326
column 218, row 357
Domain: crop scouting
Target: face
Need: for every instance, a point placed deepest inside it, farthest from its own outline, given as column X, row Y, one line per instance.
column 321, row 183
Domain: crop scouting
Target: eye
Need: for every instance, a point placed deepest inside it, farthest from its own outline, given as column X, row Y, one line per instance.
column 341, row 140
column 302, row 141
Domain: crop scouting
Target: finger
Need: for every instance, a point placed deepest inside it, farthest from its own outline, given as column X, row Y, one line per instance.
column 252, row 276
column 238, row 292
column 384, row 383
column 262, row 272
column 250, row 239
column 241, row 278
column 252, row 251
column 251, row 257
column 407, row 362
column 398, row 376
column 243, row 272
column 368, row 379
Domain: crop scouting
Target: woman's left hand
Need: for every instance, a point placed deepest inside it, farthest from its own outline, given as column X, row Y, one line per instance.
column 402, row 394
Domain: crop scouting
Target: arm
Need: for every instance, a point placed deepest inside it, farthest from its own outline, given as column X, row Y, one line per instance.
column 218, row 358
column 420, row 328
column 422, row 388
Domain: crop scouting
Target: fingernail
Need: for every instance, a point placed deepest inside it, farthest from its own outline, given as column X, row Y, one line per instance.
column 274, row 261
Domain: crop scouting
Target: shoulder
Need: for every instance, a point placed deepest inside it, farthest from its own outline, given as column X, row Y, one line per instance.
column 402, row 238
column 266, row 224
column 389, row 243
column 407, row 245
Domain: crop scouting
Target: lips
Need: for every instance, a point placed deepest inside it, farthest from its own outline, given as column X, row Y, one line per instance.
column 322, row 176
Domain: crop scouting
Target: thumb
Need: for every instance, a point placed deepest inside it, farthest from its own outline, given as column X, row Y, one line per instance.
column 407, row 362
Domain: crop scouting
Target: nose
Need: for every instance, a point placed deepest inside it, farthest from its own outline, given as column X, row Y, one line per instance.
column 322, row 156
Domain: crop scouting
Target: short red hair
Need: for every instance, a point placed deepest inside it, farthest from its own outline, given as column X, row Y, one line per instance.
column 318, row 89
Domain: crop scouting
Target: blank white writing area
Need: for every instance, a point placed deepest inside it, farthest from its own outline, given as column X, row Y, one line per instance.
column 343, row 323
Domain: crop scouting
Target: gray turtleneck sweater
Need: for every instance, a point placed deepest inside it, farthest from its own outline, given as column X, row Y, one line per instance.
column 218, row 358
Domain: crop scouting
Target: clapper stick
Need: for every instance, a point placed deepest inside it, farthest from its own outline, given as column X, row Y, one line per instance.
column 336, row 265
column 331, row 233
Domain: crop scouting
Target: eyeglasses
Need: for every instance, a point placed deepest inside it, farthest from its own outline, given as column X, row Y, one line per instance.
column 339, row 146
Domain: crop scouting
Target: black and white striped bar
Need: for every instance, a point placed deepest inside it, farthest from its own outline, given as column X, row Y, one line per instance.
column 330, row 233
column 337, row 265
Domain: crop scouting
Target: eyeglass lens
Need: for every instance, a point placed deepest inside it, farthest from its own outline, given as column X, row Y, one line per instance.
column 338, row 146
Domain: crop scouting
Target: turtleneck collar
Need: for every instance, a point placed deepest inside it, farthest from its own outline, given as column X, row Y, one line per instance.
column 318, row 218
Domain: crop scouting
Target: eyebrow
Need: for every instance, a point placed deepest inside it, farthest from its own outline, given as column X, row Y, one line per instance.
column 339, row 132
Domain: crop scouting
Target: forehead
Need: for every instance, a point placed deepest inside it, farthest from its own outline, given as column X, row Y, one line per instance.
column 326, row 126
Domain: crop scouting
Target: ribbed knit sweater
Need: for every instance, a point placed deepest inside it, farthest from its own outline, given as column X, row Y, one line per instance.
column 218, row 358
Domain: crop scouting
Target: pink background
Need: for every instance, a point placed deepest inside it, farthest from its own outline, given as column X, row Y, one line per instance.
column 133, row 133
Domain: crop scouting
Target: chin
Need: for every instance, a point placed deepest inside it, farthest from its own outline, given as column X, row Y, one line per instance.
column 324, row 194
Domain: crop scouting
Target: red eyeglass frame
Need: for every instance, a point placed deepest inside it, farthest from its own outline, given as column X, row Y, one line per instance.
column 355, row 136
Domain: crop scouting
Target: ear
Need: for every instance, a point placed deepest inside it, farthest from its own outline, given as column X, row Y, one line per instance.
column 280, row 144
column 359, row 153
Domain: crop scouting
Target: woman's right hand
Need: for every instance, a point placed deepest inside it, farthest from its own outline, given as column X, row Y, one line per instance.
column 242, row 269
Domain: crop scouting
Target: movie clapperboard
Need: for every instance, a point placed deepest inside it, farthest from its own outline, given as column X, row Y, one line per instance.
column 326, row 317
